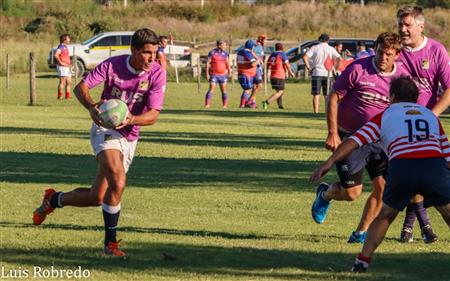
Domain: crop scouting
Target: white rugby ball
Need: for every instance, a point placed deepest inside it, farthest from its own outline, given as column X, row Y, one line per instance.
column 113, row 112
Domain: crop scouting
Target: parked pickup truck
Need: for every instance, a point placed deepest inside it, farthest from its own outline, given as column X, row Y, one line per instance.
column 104, row 45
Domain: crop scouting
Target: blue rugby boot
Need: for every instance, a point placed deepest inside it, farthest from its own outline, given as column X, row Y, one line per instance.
column 320, row 206
column 357, row 237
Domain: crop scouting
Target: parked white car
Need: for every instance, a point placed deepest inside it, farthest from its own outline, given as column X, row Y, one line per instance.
column 105, row 45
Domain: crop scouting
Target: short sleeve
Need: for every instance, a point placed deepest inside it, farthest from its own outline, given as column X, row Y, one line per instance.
column 157, row 91
column 98, row 75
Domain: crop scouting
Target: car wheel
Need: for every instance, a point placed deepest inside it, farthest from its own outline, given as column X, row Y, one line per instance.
column 80, row 69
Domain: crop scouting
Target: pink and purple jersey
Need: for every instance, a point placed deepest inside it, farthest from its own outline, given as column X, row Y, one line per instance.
column 428, row 64
column 64, row 55
column 245, row 58
column 219, row 62
column 406, row 130
column 277, row 62
column 140, row 91
column 364, row 91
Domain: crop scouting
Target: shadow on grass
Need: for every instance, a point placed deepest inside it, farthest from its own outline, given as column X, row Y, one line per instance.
column 48, row 76
column 179, row 259
column 166, row 231
column 187, row 138
column 154, row 172
column 81, row 134
column 246, row 113
column 229, row 140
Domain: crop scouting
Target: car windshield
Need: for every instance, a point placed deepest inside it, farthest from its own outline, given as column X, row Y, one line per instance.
column 91, row 39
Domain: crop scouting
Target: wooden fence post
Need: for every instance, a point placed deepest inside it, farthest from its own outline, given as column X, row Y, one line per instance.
column 75, row 64
column 199, row 75
column 7, row 71
column 32, row 79
column 233, row 69
column 265, row 74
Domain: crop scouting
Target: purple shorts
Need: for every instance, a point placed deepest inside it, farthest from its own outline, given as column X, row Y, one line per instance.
column 218, row 79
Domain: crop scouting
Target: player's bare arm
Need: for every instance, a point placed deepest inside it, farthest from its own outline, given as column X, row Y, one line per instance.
column 208, row 63
column 442, row 104
column 82, row 93
column 289, row 69
column 333, row 139
column 305, row 58
column 58, row 58
column 147, row 118
column 343, row 151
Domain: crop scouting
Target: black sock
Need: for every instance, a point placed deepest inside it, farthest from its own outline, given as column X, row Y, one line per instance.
column 111, row 221
column 54, row 200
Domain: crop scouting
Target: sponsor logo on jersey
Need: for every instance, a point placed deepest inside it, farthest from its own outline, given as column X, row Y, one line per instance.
column 143, row 85
column 413, row 112
column 425, row 64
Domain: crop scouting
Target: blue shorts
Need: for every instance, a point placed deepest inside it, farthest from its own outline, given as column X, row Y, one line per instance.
column 218, row 79
column 429, row 177
column 259, row 75
column 246, row 82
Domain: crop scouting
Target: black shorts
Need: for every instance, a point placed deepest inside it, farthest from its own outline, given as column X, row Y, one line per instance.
column 317, row 83
column 351, row 169
column 429, row 177
column 277, row 83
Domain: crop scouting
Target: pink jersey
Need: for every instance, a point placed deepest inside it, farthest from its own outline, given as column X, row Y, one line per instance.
column 364, row 92
column 219, row 62
column 140, row 91
column 428, row 64
column 406, row 130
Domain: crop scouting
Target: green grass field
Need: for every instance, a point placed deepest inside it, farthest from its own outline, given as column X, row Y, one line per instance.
column 212, row 195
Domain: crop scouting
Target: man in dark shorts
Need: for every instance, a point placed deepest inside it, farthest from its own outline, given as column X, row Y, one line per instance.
column 419, row 161
column 361, row 92
column 316, row 59
column 277, row 63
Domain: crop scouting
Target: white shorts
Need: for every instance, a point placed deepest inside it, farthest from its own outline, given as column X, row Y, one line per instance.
column 63, row 71
column 105, row 139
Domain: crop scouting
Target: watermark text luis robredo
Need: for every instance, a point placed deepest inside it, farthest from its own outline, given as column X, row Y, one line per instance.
column 44, row 272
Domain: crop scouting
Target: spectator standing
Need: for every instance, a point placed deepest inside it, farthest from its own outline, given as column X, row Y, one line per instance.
column 319, row 54
column 63, row 66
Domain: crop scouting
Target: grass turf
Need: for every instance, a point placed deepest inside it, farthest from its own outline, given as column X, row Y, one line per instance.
column 212, row 195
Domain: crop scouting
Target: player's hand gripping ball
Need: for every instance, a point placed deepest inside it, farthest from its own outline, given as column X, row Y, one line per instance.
column 113, row 112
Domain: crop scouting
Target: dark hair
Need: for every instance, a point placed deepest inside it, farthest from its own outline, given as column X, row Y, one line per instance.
column 144, row 36
column 360, row 44
column 163, row 37
column 324, row 37
column 404, row 89
column 63, row 37
column 218, row 42
column 388, row 40
column 337, row 43
column 415, row 11
column 278, row 47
